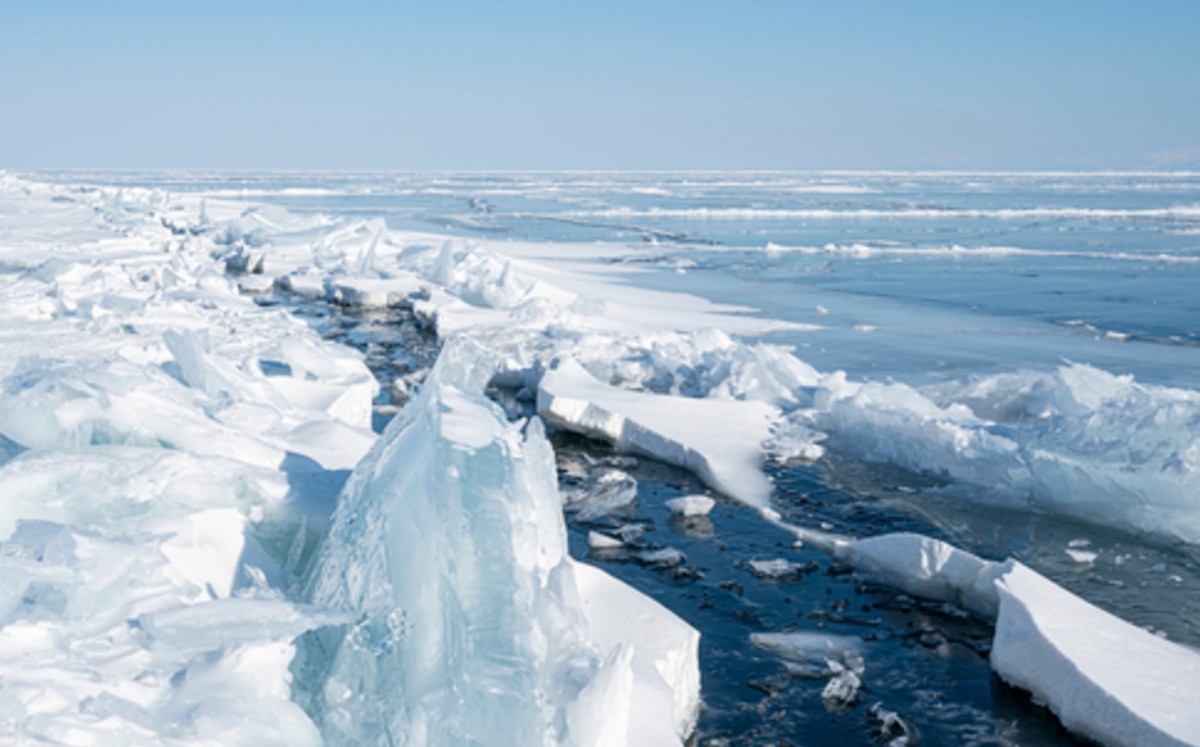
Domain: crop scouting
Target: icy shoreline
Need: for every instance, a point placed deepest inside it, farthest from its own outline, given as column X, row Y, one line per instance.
column 133, row 362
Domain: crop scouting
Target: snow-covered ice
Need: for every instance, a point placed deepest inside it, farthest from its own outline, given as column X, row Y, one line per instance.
column 170, row 453
column 677, row 430
column 691, row 505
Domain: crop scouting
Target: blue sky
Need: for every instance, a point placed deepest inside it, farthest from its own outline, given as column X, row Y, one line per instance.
column 616, row 85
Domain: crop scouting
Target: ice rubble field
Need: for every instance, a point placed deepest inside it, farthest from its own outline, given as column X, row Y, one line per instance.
column 175, row 570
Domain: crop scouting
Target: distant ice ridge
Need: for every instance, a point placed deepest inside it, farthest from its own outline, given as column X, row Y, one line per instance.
column 1189, row 212
column 956, row 251
column 472, row 624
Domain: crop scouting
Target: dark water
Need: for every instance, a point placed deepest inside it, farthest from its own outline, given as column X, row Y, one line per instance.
column 927, row 662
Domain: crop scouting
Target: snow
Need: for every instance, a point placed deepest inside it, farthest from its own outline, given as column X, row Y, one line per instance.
column 169, row 453
column 691, row 505
column 1104, row 678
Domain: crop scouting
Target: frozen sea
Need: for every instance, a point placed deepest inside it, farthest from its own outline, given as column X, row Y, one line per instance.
column 918, row 277
column 1060, row 307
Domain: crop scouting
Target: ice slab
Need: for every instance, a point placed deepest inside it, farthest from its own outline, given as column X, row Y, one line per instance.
column 720, row 440
column 1104, row 678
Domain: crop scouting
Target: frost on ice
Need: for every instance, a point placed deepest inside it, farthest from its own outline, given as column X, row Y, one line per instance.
column 472, row 625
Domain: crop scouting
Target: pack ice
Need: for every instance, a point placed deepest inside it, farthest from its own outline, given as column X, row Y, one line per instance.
column 179, row 449
column 169, row 456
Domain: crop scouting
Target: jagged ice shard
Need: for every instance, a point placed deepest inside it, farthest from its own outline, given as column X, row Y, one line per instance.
column 472, row 625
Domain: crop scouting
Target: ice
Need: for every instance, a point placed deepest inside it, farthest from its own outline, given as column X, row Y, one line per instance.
column 927, row 568
column 804, row 645
column 779, row 568
column 665, row 557
column 842, row 689
column 165, row 446
column 676, row 430
column 1103, row 677
column 601, row 492
column 1079, row 442
column 599, row 541
column 890, row 723
column 141, row 470
column 449, row 549
column 691, row 505
column 1106, row 679
column 819, row 655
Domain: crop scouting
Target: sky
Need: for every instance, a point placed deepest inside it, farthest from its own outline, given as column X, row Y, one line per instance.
column 577, row 84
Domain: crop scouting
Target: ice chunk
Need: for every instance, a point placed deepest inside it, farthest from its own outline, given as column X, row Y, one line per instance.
column 603, row 491
column 780, row 568
column 449, row 548
column 892, row 727
column 805, row 645
column 677, row 430
column 666, row 668
column 691, row 505
column 842, row 689
column 928, row 568
column 1078, row 441
column 1106, row 679
column 598, row 541
column 666, row 557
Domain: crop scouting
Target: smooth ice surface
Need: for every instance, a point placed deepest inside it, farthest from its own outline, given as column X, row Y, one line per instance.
column 472, row 625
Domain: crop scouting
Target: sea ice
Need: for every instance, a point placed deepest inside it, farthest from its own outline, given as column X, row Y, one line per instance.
column 691, row 505
column 448, row 546
column 677, row 430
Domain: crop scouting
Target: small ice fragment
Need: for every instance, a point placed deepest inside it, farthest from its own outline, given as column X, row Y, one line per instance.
column 771, row 515
column 842, row 690
column 892, row 728
column 667, row 557
column 1083, row 557
column 1081, row 542
column 598, row 541
column 691, row 505
column 821, row 310
column 800, row 646
column 632, row 534
column 779, row 568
